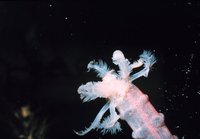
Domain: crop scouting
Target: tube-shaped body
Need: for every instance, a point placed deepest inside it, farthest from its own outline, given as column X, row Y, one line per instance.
column 142, row 117
column 133, row 105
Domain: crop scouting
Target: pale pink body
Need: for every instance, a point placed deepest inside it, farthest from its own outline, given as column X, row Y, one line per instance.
column 142, row 117
column 133, row 105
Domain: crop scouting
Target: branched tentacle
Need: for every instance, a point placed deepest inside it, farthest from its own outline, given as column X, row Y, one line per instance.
column 148, row 59
column 96, row 121
column 110, row 123
column 100, row 67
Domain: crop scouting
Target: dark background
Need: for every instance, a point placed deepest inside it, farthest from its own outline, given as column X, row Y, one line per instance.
column 45, row 48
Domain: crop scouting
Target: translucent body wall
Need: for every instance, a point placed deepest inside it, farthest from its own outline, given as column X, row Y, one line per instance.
column 133, row 105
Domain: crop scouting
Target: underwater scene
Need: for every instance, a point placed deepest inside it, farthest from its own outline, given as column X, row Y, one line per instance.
column 100, row 70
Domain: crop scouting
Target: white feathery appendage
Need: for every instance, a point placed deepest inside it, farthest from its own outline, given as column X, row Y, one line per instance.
column 100, row 67
column 124, row 64
column 137, row 64
column 87, row 92
column 113, row 130
column 110, row 123
column 96, row 121
column 148, row 58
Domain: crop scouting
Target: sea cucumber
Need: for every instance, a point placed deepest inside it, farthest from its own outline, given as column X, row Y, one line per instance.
column 132, row 104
